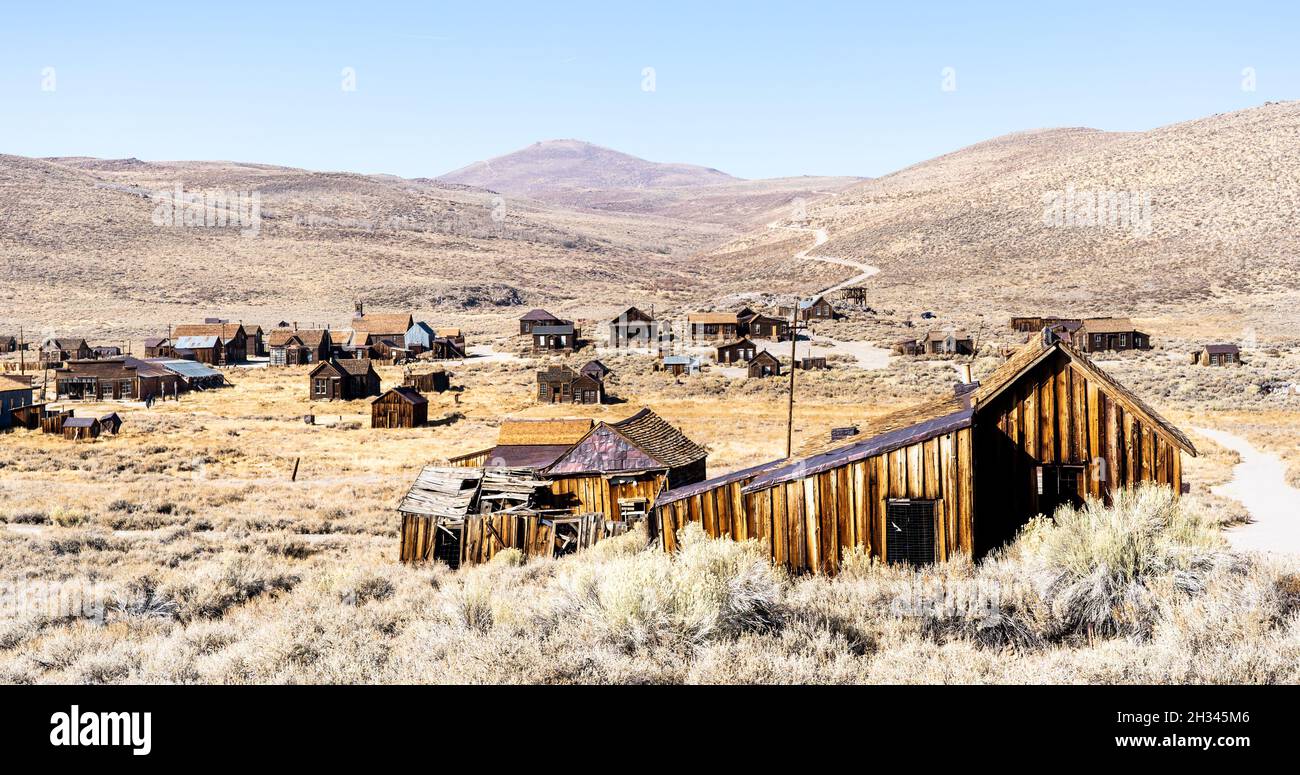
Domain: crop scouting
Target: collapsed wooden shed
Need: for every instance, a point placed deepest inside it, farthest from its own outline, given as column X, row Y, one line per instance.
column 465, row 516
column 958, row 477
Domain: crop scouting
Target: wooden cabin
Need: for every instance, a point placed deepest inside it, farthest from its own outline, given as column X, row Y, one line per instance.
column 299, row 346
column 818, row 308
column 619, row 468
column 464, row 516
column 342, row 379
column 909, row 347
column 232, row 341
column 532, row 444
column 812, row 363
column 713, row 326
column 454, row 335
column 1106, row 334
column 106, row 351
column 677, row 365
column 438, row 381
column 1219, row 355
column 8, row 344
column 762, row 326
column 736, row 352
column 115, row 379
column 563, row 385
column 560, row 337
column 633, row 328
column 191, row 375
column 949, row 343
column 377, row 326
column 538, row 317
column 254, row 342
column 399, row 407
column 1034, row 325
column 765, row 364
column 443, row 349
column 159, row 347
column 15, row 393
column 81, row 428
column 957, row 477
column 55, row 352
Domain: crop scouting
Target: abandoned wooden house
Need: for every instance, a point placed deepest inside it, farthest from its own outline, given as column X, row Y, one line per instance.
column 909, row 347
column 298, row 347
column 561, row 337
column 201, row 349
column 15, row 393
column 949, row 343
column 443, row 349
column 464, row 516
column 1103, row 334
column 808, row 310
column 419, row 338
column 380, row 325
column 255, row 342
column 738, row 351
column 232, row 340
column 1034, row 325
column 563, row 385
column 812, row 363
column 958, row 477
column 159, row 347
column 81, row 428
column 677, row 365
column 399, row 407
column 595, row 369
column 342, row 379
column 713, row 326
column 55, row 352
column 1219, row 355
column 110, row 423
column 528, row 443
column 105, row 351
column 452, row 334
column 633, row 328
column 765, row 364
column 538, row 317
column 8, row 344
column 436, row 381
column 115, row 379
column 761, row 326
column 619, row 468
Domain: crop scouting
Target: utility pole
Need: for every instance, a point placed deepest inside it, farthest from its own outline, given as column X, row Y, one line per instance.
column 22, row 352
column 789, row 420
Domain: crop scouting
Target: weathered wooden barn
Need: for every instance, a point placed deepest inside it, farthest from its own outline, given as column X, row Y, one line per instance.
column 81, row 428
column 436, row 381
column 55, row 352
column 232, row 341
column 399, row 407
column 1103, row 334
column 959, row 477
column 538, row 317
column 736, row 352
column 713, row 326
column 159, row 347
column 765, row 364
column 562, row 385
column 115, row 379
column 633, row 328
column 15, row 393
column 619, row 468
column 561, row 337
column 8, row 344
column 343, row 379
column 255, row 342
column 298, row 347
column 1219, row 355
column 465, row 516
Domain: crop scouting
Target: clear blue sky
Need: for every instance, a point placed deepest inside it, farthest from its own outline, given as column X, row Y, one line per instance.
column 755, row 89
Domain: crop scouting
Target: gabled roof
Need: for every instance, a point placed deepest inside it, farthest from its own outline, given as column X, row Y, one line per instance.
column 764, row 355
column 811, row 302
column 595, row 366
column 357, row 367
column 741, row 342
column 1107, row 326
column 197, row 342
column 718, row 481
column 942, row 336
column 383, row 323
column 421, row 327
column 226, row 331
column 556, row 374
column 681, row 360
column 451, row 332
column 156, row 341
column 916, row 424
column 80, row 422
column 632, row 315
column 66, row 344
column 408, row 394
column 1222, row 349
column 659, row 444
column 538, row 314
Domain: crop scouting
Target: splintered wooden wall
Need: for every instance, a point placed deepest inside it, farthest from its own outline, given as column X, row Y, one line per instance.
column 600, row 494
column 811, row 521
column 1057, row 415
column 719, row 511
column 479, row 537
column 471, row 460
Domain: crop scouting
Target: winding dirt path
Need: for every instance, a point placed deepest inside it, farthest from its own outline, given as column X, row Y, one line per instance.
column 1259, row 483
column 821, row 237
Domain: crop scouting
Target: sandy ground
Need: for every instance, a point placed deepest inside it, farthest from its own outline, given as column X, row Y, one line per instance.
column 1259, row 483
column 820, row 237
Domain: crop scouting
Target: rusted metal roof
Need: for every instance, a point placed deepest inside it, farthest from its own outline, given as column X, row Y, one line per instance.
column 718, row 481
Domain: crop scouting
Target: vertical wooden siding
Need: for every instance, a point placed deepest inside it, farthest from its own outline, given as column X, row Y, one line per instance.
column 599, row 494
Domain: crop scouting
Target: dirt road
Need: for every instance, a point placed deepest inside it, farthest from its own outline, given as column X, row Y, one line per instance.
column 1259, row 483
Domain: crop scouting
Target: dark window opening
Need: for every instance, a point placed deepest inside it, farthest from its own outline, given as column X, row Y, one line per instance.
column 1059, row 486
column 909, row 532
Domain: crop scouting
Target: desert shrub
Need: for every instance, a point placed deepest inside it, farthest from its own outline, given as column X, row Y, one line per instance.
column 67, row 517
column 508, row 556
column 217, row 588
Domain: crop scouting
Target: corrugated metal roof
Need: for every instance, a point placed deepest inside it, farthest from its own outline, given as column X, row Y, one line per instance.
column 717, row 481
column 187, row 369
column 196, row 342
column 680, row 360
